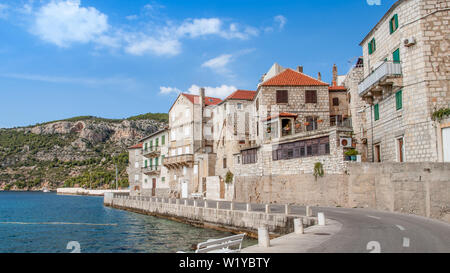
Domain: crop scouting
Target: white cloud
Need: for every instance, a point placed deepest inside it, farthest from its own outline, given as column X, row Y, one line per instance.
column 169, row 90
column 218, row 63
column 280, row 20
column 65, row 22
column 142, row 44
column 214, row 26
column 3, row 13
column 131, row 17
column 221, row 92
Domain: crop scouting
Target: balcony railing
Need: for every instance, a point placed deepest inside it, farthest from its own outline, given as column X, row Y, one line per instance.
column 152, row 151
column 387, row 70
column 179, row 160
column 151, row 170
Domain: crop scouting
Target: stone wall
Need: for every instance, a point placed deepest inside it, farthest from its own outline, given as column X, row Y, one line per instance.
column 415, row 188
column 223, row 219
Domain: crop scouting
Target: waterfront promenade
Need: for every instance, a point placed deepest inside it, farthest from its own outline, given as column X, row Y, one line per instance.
column 353, row 230
column 81, row 191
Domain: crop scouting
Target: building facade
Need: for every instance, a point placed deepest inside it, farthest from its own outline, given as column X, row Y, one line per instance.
column 134, row 169
column 406, row 80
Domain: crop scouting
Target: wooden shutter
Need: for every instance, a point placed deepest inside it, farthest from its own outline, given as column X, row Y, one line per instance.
column 310, row 96
column 396, row 56
column 398, row 100
column 376, row 111
column 282, row 96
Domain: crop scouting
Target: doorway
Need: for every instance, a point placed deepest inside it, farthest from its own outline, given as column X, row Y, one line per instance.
column 446, row 143
column 222, row 189
column 184, row 189
column 401, row 150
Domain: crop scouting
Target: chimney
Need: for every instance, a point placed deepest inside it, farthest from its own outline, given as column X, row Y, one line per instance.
column 319, row 76
column 300, row 69
column 334, row 83
column 202, row 96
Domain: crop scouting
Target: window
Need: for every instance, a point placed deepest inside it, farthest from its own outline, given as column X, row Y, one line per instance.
column 238, row 159
column 180, row 150
column 401, row 150
column 249, row 156
column 136, row 177
column 376, row 110
column 157, row 142
column 187, row 131
column 304, row 148
column 156, row 162
column 184, row 170
column 310, row 96
column 224, row 163
column 187, row 149
column 172, row 153
column 396, row 56
column 163, row 140
column 257, row 104
column 282, row 96
column 151, row 144
column 372, row 46
column 335, row 101
column 136, row 165
column 162, row 159
column 145, row 146
column 195, row 169
column 239, row 106
column 163, row 179
column 398, row 100
column 311, row 123
column 393, row 23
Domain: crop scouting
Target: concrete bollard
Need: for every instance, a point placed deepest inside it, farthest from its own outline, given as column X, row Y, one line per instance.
column 263, row 237
column 287, row 209
column 186, row 203
column 267, row 208
column 308, row 211
column 232, row 206
column 206, row 204
column 321, row 218
column 217, row 205
column 249, row 207
column 195, row 203
column 298, row 226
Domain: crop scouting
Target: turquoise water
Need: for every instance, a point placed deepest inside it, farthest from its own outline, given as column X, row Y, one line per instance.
column 46, row 223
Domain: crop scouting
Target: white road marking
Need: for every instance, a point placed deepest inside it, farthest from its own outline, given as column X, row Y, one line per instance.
column 400, row 227
column 378, row 218
column 405, row 242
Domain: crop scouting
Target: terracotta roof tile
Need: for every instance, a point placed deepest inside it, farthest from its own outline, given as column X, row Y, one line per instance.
column 290, row 77
column 137, row 146
column 282, row 115
column 208, row 100
column 337, row 88
column 242, row 95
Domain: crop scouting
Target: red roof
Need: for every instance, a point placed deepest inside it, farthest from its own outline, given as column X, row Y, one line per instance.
column 282, row 115
column 242, row 95
column 290, row 77
column 337, row 88
column 208, row 100
column 137, row 146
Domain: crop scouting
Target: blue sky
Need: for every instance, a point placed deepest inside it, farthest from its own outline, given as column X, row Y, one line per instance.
column 117, row 58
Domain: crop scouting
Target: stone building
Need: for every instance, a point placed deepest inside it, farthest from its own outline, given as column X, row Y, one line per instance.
column 232, row 132
column 406, row 80
column 134, row 169
column 190, row 153
column 339, row 110
column 154, row 173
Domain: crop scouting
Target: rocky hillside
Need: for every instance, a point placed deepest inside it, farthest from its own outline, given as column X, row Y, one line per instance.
column 81, row 151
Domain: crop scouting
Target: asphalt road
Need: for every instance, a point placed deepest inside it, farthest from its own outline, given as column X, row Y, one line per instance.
column 365, row 230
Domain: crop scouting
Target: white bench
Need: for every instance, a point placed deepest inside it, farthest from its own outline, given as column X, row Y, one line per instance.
column 221, row 245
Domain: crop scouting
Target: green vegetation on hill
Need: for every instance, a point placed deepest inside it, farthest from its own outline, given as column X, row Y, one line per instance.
column 162, row 117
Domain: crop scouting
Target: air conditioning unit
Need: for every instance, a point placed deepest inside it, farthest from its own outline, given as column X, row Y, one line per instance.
column 409, row 41
column 345, row 142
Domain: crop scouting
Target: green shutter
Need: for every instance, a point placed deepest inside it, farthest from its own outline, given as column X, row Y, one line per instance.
column 163, row 140
column 145, row 146
column 156, row 161
column 151, row 162
column 396, row 22
column 399, row 100
column 374, row 47
column 396, row 56
column 145, row 164
column 151, row 144
column 162, row 159
column 377, row 111
column 156, row 142
column 370, row 47
column 391, row 27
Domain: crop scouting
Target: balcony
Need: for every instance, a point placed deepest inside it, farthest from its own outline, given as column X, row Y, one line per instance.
column 387, row 74
column 152, row 170
column 152, row 152
column 179, row 161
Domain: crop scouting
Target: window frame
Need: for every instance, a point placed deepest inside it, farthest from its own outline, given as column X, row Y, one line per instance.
column 282, row 99
column 372, row 46
column 399, row 100
column 393, row 22
column 311, row 96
